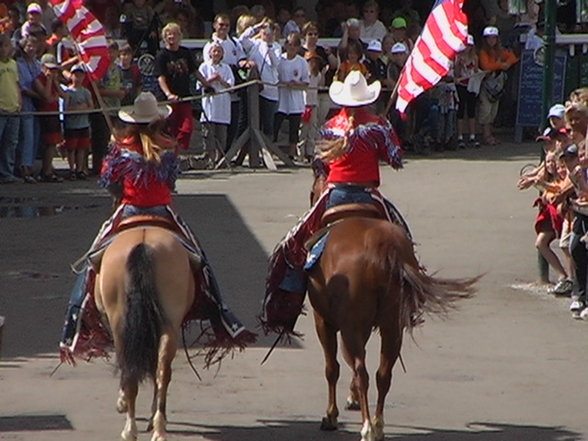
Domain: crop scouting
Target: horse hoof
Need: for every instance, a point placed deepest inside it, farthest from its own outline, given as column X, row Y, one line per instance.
column 128, row 436
column 327, row 424
column 352, row 404
column 378, row 428
column 121, row 406
column 367, row 432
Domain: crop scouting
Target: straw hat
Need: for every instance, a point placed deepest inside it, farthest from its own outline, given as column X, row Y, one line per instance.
column 354, row 91
column 144, row 110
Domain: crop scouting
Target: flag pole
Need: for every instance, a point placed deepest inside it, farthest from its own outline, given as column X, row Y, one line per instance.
column 394, row 93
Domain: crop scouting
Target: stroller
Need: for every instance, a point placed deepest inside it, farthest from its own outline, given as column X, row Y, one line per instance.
column 435, row 119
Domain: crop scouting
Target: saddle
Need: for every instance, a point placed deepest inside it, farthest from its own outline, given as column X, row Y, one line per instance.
column 336, row 214
column 356, row 209
column 140, row 221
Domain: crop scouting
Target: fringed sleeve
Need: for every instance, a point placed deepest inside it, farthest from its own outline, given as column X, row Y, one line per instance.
column 129, row 164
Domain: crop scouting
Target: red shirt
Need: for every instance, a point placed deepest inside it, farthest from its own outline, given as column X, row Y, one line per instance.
column 144, row 183
column 53, row 104
column 372, row 139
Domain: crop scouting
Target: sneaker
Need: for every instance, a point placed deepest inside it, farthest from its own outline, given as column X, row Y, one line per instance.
column 461, row 144
column 576, row 308
column 584, row 314
column 563, row 287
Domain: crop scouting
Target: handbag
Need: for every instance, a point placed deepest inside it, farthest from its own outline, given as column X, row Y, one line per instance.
column 494, row 85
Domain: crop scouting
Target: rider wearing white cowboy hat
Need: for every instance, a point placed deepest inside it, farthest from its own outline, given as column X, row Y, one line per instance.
column 144, row 110
column 354, row 90
column 354, row 142
column 140, row 170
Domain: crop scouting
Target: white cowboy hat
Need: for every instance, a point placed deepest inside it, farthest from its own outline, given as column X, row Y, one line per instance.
column 354, row 91
column 144, row 110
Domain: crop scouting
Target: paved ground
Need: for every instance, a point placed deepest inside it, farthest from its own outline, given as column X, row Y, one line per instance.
column 510, row 365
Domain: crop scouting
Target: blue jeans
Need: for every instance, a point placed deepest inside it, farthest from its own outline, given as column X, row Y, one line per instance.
column 8, row 141
column 348, row 194
column 29, row 139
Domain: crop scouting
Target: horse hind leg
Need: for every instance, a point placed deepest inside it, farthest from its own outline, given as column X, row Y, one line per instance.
column 354, row 352
column 391, row 342
column 128, row 396
column 167, row 352
column 328, row 338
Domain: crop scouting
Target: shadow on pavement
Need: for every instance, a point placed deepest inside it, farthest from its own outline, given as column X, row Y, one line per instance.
column 36, row 279
column 291, row 430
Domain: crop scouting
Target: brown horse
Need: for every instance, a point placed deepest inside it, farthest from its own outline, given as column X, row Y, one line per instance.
column 145, row 287
column 368, row 278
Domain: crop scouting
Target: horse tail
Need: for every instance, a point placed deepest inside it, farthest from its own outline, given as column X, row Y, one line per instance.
column 143, row 323
column 421, row 293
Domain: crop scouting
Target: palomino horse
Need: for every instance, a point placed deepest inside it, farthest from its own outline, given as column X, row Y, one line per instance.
column 368, row 278
column 145, row 287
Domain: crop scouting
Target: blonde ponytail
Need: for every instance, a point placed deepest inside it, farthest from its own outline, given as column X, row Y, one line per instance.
column 332, row 149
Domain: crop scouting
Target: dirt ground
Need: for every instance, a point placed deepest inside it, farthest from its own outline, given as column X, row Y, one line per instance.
column 509, row 365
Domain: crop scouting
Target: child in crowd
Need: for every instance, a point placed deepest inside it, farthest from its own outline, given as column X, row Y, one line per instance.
column 10, row 104
column 373, row 62
column 216, row 109
column 309, row 121
column 293, row 77
column 77, row 127
column 576, row 117
column 466, row 66
column 131, row 75
column 353, row 61
column 556, row 116
column 377, row 71
column 33, row 25
column 48, row 87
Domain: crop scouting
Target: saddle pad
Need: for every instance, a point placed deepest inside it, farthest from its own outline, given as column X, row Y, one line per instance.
column 315, row 253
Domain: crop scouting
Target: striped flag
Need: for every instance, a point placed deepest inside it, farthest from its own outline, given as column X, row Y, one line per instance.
column 444, row 34
column 87, row 34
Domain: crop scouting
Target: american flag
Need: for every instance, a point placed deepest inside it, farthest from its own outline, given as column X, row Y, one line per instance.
column 444, row 34
column 87, row 34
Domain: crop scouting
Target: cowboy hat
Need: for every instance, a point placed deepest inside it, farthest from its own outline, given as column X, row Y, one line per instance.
column 144, row 110
column 354, row 91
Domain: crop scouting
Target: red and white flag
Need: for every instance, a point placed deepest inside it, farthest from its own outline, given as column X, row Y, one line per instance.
column 444, row 35
column 87, row 34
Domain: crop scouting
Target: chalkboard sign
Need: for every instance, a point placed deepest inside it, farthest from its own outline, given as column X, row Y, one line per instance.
column 531, row 86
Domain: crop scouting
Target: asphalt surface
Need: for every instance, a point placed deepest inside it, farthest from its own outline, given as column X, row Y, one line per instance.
column 508, row 365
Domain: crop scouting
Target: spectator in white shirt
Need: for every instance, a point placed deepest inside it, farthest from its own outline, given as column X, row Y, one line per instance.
column 266, row 54
column 216, row 109
column 371, row 28
column 235, row 57
column 293, row 77
column 309, row 122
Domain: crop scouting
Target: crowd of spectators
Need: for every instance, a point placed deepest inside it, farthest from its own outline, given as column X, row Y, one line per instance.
column 562, row 217
column 279, row 45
